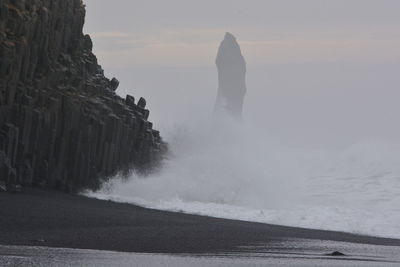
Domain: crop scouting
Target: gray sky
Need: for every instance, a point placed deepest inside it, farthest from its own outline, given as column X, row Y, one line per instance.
column 320, row 70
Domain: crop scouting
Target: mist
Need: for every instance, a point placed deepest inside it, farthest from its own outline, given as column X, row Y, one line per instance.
column 319, row 139
column 320, row 73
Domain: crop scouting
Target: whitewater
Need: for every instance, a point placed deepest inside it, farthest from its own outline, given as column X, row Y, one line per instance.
column 234, row 170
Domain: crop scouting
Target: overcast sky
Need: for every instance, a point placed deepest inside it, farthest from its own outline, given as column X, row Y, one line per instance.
column 325, row 70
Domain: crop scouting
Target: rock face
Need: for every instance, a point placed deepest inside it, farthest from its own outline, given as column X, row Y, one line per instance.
column 61, row 124
column 231, row 76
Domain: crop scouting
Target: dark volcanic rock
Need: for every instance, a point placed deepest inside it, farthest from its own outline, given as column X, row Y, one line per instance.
column 142, row 102
column 61, row 124
column 114, row 83
column 231, row 76
column 130, row 101
column 335, row 254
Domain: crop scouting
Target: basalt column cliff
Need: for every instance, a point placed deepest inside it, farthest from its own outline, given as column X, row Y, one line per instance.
column 232, row 77
column 61, row 123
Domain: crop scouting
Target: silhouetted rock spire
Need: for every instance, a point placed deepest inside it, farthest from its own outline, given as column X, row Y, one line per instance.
column 232, row 77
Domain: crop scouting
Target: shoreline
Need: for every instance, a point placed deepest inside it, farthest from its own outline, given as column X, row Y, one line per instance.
column 53, row 219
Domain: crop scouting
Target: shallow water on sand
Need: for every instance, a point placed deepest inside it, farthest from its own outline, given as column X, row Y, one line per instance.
column 296, row 252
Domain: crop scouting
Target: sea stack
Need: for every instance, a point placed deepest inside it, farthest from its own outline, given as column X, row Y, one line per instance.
column 231, row 77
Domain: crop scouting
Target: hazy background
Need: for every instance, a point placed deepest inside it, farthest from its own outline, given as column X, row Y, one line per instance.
column 319, row 146
column 320, row 72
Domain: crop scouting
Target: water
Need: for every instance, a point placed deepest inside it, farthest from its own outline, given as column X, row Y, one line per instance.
column 296, row 252
column 236, row 171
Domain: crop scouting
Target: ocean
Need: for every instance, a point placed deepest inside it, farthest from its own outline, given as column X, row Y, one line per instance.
column 232, row 170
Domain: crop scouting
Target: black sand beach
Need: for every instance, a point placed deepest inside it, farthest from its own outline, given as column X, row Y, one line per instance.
column 40, row 218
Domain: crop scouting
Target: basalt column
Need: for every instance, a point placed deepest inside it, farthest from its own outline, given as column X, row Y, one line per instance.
column 62, row 124
column 232, row 77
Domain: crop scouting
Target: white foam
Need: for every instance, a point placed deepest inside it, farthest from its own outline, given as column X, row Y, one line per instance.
column 233, row 171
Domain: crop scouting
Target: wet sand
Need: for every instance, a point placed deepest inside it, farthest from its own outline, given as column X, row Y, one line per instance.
column 44, row 256
column 52, row 219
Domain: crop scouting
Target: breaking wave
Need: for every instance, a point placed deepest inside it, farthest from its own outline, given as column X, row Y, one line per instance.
column 233, row 170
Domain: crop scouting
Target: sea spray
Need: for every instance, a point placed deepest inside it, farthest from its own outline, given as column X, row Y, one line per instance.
column 229, row 169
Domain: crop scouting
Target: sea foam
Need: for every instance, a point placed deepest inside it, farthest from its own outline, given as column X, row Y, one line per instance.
column 234, row 170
